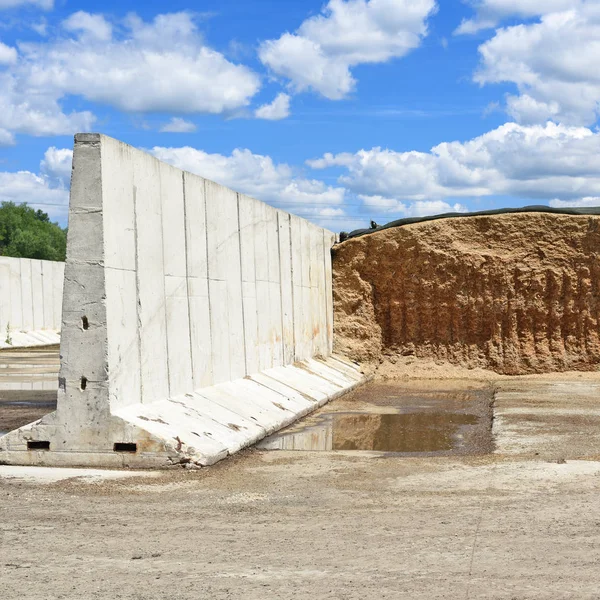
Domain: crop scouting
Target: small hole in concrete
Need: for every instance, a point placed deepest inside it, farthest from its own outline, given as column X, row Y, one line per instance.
column 125, row 447
column 83, row 383
column 36, row 445
column 85, row 323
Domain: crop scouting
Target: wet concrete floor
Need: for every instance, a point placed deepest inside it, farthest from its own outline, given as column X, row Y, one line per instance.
column 28, row 385
column 419, row 419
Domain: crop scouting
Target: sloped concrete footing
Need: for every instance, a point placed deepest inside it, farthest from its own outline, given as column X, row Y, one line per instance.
column 31, row 339
column 195, row 429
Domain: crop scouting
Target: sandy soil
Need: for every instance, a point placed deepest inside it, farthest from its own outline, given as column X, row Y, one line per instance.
column 518, row 524
column 514, row 294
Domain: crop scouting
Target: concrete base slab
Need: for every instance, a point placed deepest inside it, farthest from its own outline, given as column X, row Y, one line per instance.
column 199, row 428
column 31, row 339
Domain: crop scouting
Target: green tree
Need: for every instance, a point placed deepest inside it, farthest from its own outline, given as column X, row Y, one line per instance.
column 29, row 233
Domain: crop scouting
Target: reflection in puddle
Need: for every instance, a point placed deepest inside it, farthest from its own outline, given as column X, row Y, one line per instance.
column 388, row 418
column 419, row 432
column 407, row 433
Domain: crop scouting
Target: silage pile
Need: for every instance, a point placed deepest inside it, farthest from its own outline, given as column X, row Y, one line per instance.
column 514, row 293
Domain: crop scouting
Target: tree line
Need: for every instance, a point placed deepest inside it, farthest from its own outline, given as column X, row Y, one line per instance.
column 29, row 233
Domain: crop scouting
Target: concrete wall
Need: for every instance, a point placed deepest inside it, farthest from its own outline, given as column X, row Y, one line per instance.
column 176, row 284
column 30, row 301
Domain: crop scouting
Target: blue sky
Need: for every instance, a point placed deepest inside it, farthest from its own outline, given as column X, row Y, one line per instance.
column 341, row 111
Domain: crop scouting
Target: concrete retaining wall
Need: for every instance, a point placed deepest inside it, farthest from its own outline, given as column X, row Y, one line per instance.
column 30, row 301
column 196, row 320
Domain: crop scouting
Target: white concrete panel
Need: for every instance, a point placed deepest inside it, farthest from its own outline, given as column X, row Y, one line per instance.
column 118, row 204
column 248, row 212
column 287, row 302
column 27, row 294
column 200, row 336
column 37, row 294
column 5, row 309
column 316, row 284
column 58, row 278
column 178, row 335
column 16, row 303
column 197, row 273
column 263, row 292
column 263, row 303
column 152, row 319
column 195, row 225
column 307, row 307
column 297, row 297
column 224, row 265
column 123, row 339
column 251, row 309
column 219, row 329
column 48, row 289
column 328, row 241
column 176, row 287
column 275, row 329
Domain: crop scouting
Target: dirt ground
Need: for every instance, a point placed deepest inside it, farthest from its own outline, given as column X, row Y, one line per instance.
column 520, row 523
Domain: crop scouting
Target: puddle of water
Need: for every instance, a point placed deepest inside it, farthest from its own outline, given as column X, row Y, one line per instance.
column 396, row 421
column 417, row 432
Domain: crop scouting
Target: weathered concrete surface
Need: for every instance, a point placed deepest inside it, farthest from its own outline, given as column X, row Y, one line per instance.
column 317, row 525
column 178, row 292
column 30, row 302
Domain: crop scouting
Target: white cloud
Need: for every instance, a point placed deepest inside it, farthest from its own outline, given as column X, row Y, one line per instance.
column 258, row 176
column 160, row 66
column 178, row 125
column 553, row 63
column 90, row 26
column 35, row 111
column 36, row 191
column 490, row 13
column 57, row 164
column 45, row 4
column 6, row 138
column 276, row 110
column 533, row 162
column 47, row 190
column 8, row 54
column 420, row 208
column 578, row 202
column 347, row 33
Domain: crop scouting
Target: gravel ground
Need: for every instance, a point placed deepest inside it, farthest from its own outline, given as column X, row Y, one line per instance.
column 520, row 523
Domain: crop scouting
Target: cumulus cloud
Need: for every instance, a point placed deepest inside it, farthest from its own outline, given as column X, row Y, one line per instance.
column 91, row 26
column 578, row 202
column 178, row 125
column 553, row 63
column 40, row 191
column 490, row 13
column 276, row 110
column 157, row 66
column 532, row 162
column 57, row 164
column 320, row 54
column 45, row 4
column 6, row 138
column 258, row 176
column 8, row 54
column 420, row 208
